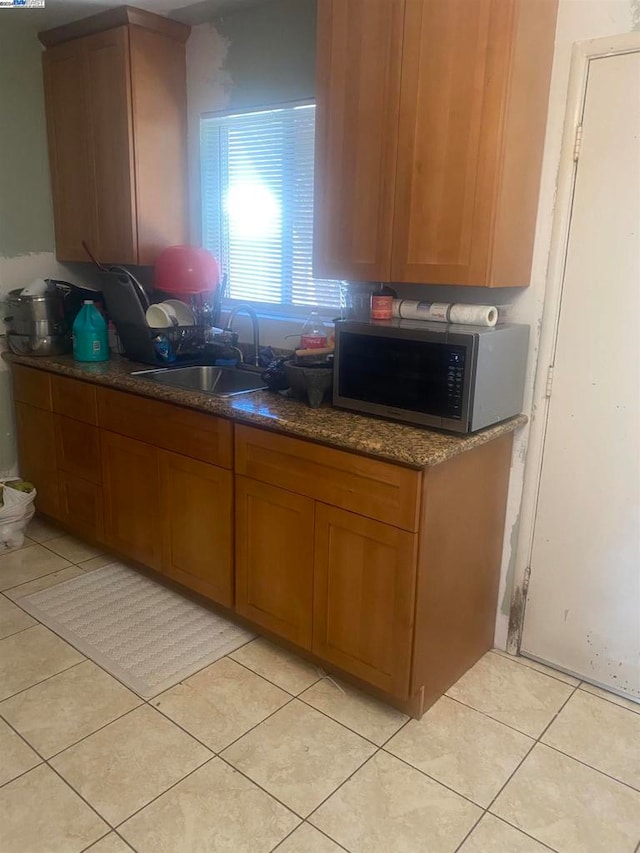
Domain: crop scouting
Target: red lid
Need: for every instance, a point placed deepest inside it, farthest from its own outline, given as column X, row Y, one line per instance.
column 187, row 270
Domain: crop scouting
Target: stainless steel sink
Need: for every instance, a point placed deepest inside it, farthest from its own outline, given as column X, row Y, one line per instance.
column 217, row 381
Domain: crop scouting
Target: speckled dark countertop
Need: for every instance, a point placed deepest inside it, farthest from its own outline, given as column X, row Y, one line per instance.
column 406, row 445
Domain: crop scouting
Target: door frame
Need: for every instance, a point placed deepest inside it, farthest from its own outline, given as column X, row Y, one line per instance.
column 582, row 55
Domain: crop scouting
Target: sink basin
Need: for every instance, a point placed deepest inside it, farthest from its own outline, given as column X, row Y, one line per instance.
column 217, row 381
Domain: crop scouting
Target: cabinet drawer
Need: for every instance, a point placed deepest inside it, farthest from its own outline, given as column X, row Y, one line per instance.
column 378, row 490
column 74, row 399
column 78, row 448
column 81, row 506
column 31, row 386
column 184, row 431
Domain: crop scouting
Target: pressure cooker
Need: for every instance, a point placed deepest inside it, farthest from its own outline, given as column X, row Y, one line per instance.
column 37, row 325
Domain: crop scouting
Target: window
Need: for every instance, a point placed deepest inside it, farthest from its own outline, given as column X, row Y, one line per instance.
column 257, row 205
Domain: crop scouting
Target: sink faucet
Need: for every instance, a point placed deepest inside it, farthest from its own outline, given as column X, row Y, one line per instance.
column 256, row 329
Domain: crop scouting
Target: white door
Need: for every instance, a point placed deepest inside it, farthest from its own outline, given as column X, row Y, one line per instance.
column 583, row 606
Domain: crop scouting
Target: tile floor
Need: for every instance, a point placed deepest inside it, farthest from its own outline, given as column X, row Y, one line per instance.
column 258, row 752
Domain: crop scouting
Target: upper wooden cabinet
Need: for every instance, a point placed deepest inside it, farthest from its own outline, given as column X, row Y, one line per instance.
column 115, row 91
column 430, row 129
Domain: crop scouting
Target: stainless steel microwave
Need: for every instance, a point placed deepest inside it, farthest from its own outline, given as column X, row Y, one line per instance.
column 459, row 378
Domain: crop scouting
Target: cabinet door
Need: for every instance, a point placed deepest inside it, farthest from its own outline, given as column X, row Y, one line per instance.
column 37, row 455
column 81, row 506
column 131, row 482
column 197, row 525
column 108, row 83
column 274, row 559
column 78, row 449
column 358, row 86
column 364, row 595
column 72, row 180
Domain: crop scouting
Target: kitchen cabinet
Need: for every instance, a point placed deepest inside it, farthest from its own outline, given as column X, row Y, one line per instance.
column 274, row 559
column 115, row 94
column 364, row 599
column 81, row 506
column 37, row 455
column 131, row 481
column 444, row 114
column 196, row 507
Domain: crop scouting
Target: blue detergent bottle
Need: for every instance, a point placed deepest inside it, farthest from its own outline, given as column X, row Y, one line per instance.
column 90, row 338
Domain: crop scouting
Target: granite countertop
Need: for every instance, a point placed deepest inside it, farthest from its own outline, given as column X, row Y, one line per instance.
column 414, row 447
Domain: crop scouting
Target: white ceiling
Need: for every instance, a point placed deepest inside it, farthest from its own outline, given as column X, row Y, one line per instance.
column 58, row 12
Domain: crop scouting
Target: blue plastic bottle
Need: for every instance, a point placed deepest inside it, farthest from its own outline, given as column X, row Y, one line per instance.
column 90, row 338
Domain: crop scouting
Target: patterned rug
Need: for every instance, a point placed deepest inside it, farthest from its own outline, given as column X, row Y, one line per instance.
column 144, row 634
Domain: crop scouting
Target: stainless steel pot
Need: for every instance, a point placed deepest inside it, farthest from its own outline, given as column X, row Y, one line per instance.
column 36, row 316
column 38, row 344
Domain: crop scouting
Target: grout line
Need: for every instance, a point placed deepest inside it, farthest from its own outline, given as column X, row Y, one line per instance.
column 556, row 715
column 315, row 828
column 591, row 767
column 19, row 631
column 39, row 577
column 489, row 717
column 522, row 661
column 48, row 678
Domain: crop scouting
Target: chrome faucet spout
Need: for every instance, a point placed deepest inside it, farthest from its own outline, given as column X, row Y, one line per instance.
column 247, row 309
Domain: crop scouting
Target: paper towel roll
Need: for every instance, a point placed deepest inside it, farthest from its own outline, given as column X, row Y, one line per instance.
column 445, row 312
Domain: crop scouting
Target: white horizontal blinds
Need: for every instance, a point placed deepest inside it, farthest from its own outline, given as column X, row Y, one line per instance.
column 257, row 201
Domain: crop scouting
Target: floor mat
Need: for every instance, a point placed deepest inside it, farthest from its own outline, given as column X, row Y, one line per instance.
column 146, row 635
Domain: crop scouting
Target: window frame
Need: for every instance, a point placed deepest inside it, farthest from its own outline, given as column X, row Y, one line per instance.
column 269, row 310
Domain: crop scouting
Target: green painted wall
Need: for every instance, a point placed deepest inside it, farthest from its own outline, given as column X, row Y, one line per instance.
column 271, row 54
column 26, row 217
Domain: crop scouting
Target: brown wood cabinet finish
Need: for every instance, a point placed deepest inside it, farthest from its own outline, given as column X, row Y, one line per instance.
column 197, row 526
column 357, row 96
column 467, row 122
column 131, row 483
column 363, row 614
column 274, row 559
column 116, row 109
column 31, row 386
column 37, row 455
column 78, row 449
column 369, row 487
column 74, row 399
column 81, row 508
column 185, row 431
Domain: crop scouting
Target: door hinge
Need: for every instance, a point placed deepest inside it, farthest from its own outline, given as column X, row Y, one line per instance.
column 549, row 387
column 577, row 143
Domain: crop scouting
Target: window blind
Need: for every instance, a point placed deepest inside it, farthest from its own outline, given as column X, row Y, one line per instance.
column 257, row 205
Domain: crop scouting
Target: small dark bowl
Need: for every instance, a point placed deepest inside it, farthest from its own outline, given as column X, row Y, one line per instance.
column 312, row 383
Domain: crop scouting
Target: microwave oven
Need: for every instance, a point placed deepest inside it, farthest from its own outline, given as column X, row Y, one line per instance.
column 453, row 377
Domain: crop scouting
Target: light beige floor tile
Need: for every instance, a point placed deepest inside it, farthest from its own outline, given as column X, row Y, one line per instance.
column 21, row 566
column 220, row 703
column 599, row 733
column 512, row 694
column 288, row 671
column 12, row 618
column 539, row 667
column 45, row 582
column 125, row 765
column 492, row 835
column 611, row 697
column 215, row 810
column 306, row 839
column 111, row 843
column 97, row 563
column 387, row 806
column 68, row 707
column 31, row 656
column 73, row 549
column 40, row 814
column 462, row 748
column 40, row 530
column 299, row 755
column 365, row 715
column 15, row 757
column 570, row 807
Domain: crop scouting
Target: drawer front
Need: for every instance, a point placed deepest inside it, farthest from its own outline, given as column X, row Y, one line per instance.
column 81, row 506
column 184, row 431
column 74, row 399
column 31, row 386
column 375, row 489
column 78, row 449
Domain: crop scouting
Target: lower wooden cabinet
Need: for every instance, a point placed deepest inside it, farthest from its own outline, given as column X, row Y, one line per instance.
column 197, row 525
column 81, row 506
column 364, row 597
column 131, row 484
column 274, row 559
column 78, row 449
column 37, row 455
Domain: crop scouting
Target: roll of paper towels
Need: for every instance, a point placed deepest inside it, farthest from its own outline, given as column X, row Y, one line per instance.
column 445, row 312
